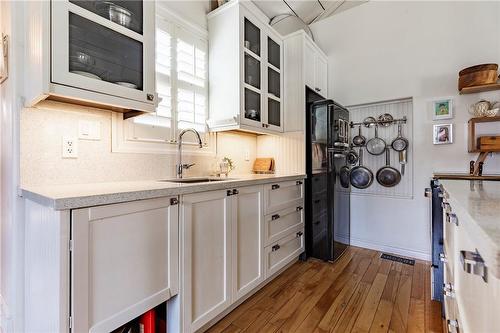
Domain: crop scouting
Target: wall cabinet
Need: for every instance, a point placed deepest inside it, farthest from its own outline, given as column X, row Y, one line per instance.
column 305, row 65
column 93, row 53
column 245, row 70
column 124, row 261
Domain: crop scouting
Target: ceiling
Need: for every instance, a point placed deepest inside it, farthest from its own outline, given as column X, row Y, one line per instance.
column 307, row 11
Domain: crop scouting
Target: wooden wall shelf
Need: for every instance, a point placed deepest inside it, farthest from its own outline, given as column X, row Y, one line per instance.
column 472, row 141
column 481, row 88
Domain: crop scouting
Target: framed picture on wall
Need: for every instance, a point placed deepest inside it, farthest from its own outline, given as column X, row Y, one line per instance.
column 443, row 134
column 442, row 109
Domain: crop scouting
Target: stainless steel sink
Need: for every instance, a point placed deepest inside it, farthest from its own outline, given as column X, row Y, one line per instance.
column 194, row 180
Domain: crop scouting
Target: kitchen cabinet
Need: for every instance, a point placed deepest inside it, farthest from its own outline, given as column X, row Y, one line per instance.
column 471, row 286
column 245, row 70
column 206, row 256
column 93, row 53
column 305, row 65
column 124, row 261
column 283, row 195
column 247, row 240
column 279, row 254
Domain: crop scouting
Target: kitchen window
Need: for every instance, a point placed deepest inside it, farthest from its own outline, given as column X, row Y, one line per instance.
column 182, row 87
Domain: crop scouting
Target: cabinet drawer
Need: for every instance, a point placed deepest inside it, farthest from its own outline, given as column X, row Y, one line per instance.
column 319, row 205
column 282, row 223
column 282, row 252
column 318, row 182
column 449, row 229
column 282, row 195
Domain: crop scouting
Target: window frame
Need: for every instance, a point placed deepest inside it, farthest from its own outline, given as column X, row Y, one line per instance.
column 120, row 129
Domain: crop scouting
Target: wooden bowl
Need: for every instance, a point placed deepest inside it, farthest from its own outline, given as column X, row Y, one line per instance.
column 477, row 75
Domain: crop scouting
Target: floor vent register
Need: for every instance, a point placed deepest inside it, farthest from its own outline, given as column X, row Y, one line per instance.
column 398, row 259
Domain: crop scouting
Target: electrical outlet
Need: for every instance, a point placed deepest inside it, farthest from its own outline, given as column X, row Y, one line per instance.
column 69, row 147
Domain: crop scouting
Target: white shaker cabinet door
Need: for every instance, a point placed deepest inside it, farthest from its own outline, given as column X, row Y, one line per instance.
column 206, row 256
column 248, row 267
column 310, row 65
column 124, row 262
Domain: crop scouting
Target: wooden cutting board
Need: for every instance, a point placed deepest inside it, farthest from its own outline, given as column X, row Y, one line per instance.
column 488, row 143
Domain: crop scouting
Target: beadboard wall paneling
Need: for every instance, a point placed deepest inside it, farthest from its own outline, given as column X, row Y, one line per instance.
column 287, row 149
column 398, row 109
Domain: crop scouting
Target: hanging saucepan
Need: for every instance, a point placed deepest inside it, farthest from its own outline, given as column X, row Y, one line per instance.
column 359, row 140
column 361, row 177
column 388, row 176
column 352, row 157
column 375, row 145
column 369, row 122
column 385, row 119
column 344, row 174
column 400, row 143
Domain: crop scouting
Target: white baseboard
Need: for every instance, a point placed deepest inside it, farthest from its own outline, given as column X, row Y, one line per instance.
column 391, row 249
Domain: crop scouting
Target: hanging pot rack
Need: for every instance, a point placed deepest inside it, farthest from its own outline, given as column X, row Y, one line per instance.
column 394, row 121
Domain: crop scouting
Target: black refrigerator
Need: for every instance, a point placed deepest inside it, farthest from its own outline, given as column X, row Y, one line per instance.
column 327, row 227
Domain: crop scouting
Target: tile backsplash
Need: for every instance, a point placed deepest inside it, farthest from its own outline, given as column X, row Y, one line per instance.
column 43, row 127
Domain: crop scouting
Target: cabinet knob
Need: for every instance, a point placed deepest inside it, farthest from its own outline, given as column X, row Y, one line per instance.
column 275, row 248
column 473, row 263
column 174, row 201
column 299, row 208
column 235, row 192
column 299, row 234
column 275, row 187
column 229, row 193
column 150, row 97
column 298, row 182
column 275, row 217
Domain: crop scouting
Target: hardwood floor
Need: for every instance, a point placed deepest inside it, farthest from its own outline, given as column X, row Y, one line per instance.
column 359, row 293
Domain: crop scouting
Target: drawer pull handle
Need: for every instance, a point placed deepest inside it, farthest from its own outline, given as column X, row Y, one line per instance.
column 174, row 201
column 428, row 193
column 275, row 187
column 275, row 217
column 473, row 263
column 442, row 257
column 317, row 201
column 275, row 248
column 446, row 206
column 299, row 208
column 235, row 192
column 229, row 193
column 299, row 234
column 298, row 182
column 452, row 326
column 452, row 218
column 448, row 290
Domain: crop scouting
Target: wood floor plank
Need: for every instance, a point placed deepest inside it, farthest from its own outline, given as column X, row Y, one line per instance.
column 365, row 318
column 360, row 292
column 416, row 316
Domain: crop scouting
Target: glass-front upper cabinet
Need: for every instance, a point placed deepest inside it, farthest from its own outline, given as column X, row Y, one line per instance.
column 252, row 73
column 105, row 46
column 274, row 84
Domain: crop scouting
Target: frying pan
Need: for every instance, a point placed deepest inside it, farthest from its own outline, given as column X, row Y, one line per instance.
column 359, row 140
column 344, row 175
column 361, row 177
column 388, row 176
column 375, row 145
column 400, row 143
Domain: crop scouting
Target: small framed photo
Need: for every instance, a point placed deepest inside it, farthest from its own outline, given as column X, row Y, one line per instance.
column 443, row 134
column 442, row 109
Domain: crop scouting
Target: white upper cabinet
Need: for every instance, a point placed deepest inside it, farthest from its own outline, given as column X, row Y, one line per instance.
column 245, row 70
column 92, row 52
column 305, row 65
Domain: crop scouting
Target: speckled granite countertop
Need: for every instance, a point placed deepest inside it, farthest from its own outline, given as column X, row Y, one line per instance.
column 62, row 197
column 477, row 205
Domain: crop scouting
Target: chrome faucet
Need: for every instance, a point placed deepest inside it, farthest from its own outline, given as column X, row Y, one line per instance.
column 180, row 167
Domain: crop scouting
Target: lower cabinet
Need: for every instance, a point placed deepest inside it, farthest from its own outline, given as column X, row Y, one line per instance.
column 247, row 240
column 283, row 251
column 124, row 261
column 206, row 221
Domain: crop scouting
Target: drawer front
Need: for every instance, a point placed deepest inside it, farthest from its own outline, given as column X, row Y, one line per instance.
column 319, row 205
column 449, row 296
column 282, row 252
column 478, row 300
column 449, row 229
column 282, row 195
column 282, row 223
column 318, row 182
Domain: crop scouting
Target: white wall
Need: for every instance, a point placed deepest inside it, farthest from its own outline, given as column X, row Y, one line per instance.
column 388, row 50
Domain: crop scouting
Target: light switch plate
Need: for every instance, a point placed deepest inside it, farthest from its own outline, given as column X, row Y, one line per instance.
column 89, row 130
column 69, row 147
column 247, row 154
